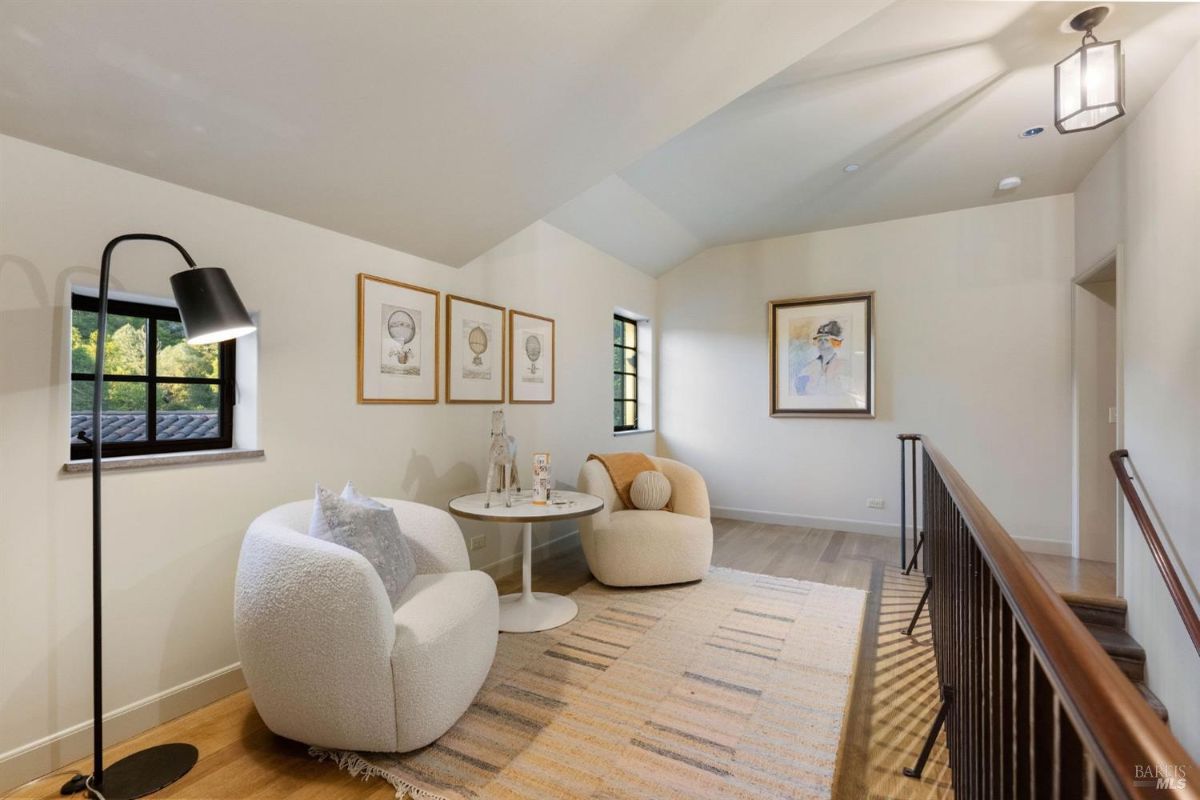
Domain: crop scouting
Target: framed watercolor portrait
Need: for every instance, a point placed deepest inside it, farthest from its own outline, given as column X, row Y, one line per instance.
column 823, row 356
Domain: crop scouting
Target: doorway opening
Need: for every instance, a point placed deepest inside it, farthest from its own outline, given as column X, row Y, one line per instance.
column 1097, row 389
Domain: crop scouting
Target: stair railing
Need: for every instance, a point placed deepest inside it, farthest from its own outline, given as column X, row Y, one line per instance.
column 1162, row 558
column 1033, row 707
column 908, row 447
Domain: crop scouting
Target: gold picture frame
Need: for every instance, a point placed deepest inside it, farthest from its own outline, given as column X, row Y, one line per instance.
column 478, row 378
column 525, row 384
column 401, row 363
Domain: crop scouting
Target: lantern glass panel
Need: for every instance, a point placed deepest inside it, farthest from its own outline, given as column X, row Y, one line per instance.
column 1101, row 74
column 1070, row 94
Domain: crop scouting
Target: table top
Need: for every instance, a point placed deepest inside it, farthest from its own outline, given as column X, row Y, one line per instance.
column 562, row 505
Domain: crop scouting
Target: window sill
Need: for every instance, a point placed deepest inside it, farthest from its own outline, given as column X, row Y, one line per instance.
column 163, row 460
column 633, row 432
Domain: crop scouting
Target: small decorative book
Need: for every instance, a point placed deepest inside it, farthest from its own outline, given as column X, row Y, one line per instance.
column 541, row 478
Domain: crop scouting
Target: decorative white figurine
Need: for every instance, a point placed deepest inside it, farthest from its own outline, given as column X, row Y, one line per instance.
column 541, row 478
column 502, row 456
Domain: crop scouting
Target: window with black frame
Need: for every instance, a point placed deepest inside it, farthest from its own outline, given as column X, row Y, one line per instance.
column 151, row 373
column 625, row 378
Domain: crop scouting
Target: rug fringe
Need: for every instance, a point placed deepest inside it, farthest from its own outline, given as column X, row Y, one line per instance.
column 355, row 765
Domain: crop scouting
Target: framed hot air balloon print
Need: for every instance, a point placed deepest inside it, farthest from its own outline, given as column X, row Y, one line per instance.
column 530, row 358
column 397, row 341
column 474, row 351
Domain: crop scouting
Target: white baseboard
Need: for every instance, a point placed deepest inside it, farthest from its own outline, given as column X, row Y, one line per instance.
column 1051, row 547
column 54, row 751
column 1054, row 547
column 540, row 552
column 803, row 521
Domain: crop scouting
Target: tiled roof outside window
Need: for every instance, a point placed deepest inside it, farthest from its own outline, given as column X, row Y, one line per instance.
column 122, row 426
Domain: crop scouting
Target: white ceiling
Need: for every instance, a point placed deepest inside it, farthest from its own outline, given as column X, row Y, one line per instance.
column 438, row 128
column 927, row 96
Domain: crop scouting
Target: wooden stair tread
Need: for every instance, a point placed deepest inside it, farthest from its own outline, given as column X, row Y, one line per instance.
column 1097, row 609
column 1116, row 641
column 1152, row 700
column 1122, row 648
column 1104, row 617
column 1095, row 600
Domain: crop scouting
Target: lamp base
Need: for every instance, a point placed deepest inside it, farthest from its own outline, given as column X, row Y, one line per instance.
column 144, row 772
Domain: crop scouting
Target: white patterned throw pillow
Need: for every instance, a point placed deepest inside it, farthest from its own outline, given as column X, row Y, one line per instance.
column 369, row 528
column 650, row 491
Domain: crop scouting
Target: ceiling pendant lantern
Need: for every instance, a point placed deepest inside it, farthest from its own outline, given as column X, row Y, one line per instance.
column 1089, row 84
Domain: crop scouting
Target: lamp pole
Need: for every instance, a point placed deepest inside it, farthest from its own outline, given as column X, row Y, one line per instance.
column 149, row 770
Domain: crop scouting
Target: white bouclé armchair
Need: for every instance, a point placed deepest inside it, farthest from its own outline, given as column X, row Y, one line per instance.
column 330, row 663
column 632, row 547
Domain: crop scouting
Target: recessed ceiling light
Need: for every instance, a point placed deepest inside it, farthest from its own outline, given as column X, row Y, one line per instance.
column 851, row 168
column 1034, row 131
column 1011, row 182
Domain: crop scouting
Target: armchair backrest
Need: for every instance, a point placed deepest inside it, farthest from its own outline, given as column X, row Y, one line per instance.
column 314, row 631
column 594, row 479
column 689, row 495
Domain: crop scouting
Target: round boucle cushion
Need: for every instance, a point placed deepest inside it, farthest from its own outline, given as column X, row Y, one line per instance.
column 650, row 490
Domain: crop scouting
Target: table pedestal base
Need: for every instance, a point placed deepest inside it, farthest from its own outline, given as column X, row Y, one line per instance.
column 536, row 611
column 532, row 611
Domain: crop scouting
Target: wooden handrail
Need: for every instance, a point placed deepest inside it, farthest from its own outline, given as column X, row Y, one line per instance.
column 1114, row 723
column 1191, row 621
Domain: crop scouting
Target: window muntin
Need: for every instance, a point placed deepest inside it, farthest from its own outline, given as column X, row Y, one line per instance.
column 151, row 373
column 625, row 378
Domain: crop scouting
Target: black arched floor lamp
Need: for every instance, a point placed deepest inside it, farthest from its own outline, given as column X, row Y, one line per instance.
column 211, row 312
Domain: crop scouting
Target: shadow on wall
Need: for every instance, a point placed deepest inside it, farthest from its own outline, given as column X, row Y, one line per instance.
column 15, row 326
column 422, row 482
column 32, row 274
column 1164, row 533
column 16, row 321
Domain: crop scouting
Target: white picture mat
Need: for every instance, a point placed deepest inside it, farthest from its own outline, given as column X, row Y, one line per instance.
column 459, row 354
column 377, row 385
column 523, row 388
column 853, row 317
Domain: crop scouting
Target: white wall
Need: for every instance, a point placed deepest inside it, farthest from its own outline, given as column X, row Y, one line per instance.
column 1094, row 378
column 172, row 535
column 973, row 348
column 1145, row 194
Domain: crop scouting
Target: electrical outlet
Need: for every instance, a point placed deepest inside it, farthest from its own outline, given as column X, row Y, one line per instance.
column 478, row 542
column 874, row 502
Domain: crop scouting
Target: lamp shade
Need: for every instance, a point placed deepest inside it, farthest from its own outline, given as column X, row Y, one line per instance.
column 209, row 305
column 1089, row 87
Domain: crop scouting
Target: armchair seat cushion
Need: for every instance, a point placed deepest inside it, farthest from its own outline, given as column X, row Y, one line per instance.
column 661, row 525
column 445, row 641
column 649, row 548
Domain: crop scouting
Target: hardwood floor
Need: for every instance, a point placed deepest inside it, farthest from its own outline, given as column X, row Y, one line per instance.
column 240, row 758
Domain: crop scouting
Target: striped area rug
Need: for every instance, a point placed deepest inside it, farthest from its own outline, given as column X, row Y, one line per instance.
column 733, row 687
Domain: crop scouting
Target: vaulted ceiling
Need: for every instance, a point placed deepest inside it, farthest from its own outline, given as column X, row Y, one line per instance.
column 652, row 129
column 927, row 97
column 437, row 128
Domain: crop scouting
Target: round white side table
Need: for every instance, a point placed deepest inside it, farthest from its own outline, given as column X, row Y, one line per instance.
column 529, row 611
